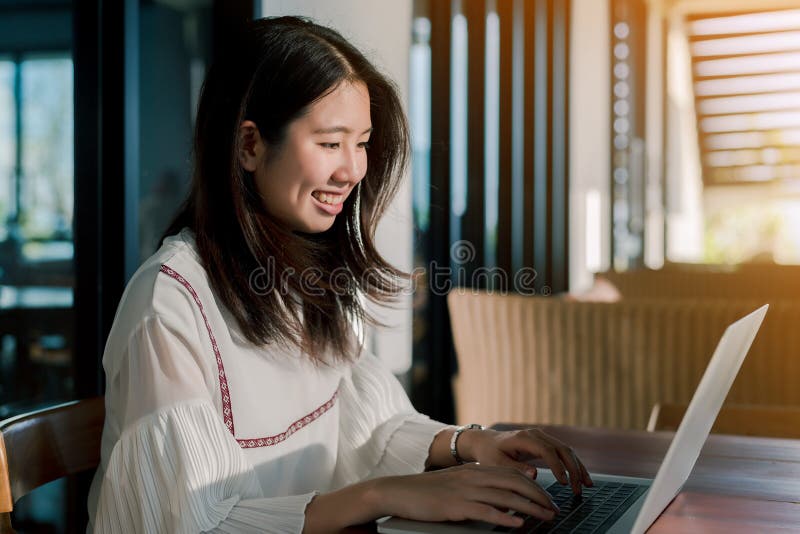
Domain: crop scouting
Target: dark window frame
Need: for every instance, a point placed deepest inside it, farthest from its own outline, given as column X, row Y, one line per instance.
column 532, row 230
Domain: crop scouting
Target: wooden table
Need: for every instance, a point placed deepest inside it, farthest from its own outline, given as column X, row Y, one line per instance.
column 739, row 484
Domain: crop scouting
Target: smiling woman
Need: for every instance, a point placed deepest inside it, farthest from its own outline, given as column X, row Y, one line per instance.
column 306, row 178
column 287, row 115
column 238, row 396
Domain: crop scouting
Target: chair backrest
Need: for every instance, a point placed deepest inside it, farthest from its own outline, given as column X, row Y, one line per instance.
column 768, row 283
column 546, row 360
column 737, row 419
column 45, row 445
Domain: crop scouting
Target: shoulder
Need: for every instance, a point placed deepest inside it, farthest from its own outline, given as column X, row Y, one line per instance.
column 166, row 285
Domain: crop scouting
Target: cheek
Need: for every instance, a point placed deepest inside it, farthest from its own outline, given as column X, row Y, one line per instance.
column 287, row 180
column 275, row 184
column 271, row 186
column 310, row 168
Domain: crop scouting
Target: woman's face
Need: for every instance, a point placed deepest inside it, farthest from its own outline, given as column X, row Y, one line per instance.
column 304, row 181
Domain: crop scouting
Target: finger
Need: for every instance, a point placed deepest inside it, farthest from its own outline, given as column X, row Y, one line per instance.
column 549, row 454
column 575, row 475
column 484, row 512
column 532, row 471
column 534, row 442
column 583, row 473
column 507, row 499
column 569, row 459
column 510, row 479
column 587, row 479
column 522, row 467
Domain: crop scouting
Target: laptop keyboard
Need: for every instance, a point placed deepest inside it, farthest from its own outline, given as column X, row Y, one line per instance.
column 595, row 511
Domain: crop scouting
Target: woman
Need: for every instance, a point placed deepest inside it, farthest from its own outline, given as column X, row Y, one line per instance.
column 238, row 397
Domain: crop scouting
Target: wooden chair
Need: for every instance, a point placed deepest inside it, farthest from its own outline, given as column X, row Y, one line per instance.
column 45, row 445
column 738, row 419
column 548, row 360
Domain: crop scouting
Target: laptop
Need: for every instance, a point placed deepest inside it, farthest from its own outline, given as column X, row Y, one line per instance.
column 617, row 504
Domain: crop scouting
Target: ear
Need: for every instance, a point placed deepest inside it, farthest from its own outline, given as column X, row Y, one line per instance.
column 251, row 145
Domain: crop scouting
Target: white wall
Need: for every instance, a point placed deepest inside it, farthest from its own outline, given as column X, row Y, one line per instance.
column 589, row 138
column 382, row 31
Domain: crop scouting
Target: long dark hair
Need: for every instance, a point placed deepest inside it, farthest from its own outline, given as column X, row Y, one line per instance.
column 271, row 75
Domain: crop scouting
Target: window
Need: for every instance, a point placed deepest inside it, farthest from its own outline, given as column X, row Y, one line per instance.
column 47, row 155
column 36, row 249
column 747, row 84
column 743, row 88
column 36, row 165
column 7, row 141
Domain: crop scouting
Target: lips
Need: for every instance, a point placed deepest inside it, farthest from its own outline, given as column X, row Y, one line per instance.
column 328, row 197
column 331, row 209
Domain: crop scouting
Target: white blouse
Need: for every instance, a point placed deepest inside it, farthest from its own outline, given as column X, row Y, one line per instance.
column 205, row 431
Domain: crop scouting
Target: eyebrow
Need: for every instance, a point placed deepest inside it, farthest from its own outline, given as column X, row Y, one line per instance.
column 337, row 129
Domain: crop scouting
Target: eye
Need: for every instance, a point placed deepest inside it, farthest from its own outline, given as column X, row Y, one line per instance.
column 332, row 146
column 365, row 145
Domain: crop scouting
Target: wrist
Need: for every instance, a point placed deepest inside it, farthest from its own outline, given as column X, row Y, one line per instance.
column 352, row 505
column 465, row 445
column 375, row 496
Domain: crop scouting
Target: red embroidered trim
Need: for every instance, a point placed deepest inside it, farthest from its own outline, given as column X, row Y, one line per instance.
column 227, row 410
column 294, row 427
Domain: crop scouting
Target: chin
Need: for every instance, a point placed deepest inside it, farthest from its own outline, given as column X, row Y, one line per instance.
column 314, row 228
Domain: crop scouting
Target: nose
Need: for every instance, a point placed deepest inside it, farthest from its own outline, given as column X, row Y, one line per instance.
column 352, row 167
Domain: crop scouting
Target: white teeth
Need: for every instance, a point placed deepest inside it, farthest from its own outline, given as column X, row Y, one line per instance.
column 327, row 198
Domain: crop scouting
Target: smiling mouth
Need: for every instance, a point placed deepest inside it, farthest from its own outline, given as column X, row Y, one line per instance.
column 328, row 198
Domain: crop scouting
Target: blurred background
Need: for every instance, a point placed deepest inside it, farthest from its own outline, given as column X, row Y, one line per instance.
column 615, row 150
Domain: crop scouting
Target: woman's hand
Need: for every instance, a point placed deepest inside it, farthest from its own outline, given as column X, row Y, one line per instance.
column 512, row 449
column 469, row 491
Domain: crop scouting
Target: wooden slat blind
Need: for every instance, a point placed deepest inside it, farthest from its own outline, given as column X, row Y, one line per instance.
column 746, row 70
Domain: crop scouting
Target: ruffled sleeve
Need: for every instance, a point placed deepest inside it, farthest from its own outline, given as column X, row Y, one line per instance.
column 381, row 434
column 175, row 466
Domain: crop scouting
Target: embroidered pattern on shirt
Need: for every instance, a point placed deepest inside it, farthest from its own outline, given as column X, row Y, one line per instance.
column 294, row 427
column 227, row 409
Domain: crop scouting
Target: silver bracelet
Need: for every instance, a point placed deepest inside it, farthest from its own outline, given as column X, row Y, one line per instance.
column 454, row 438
